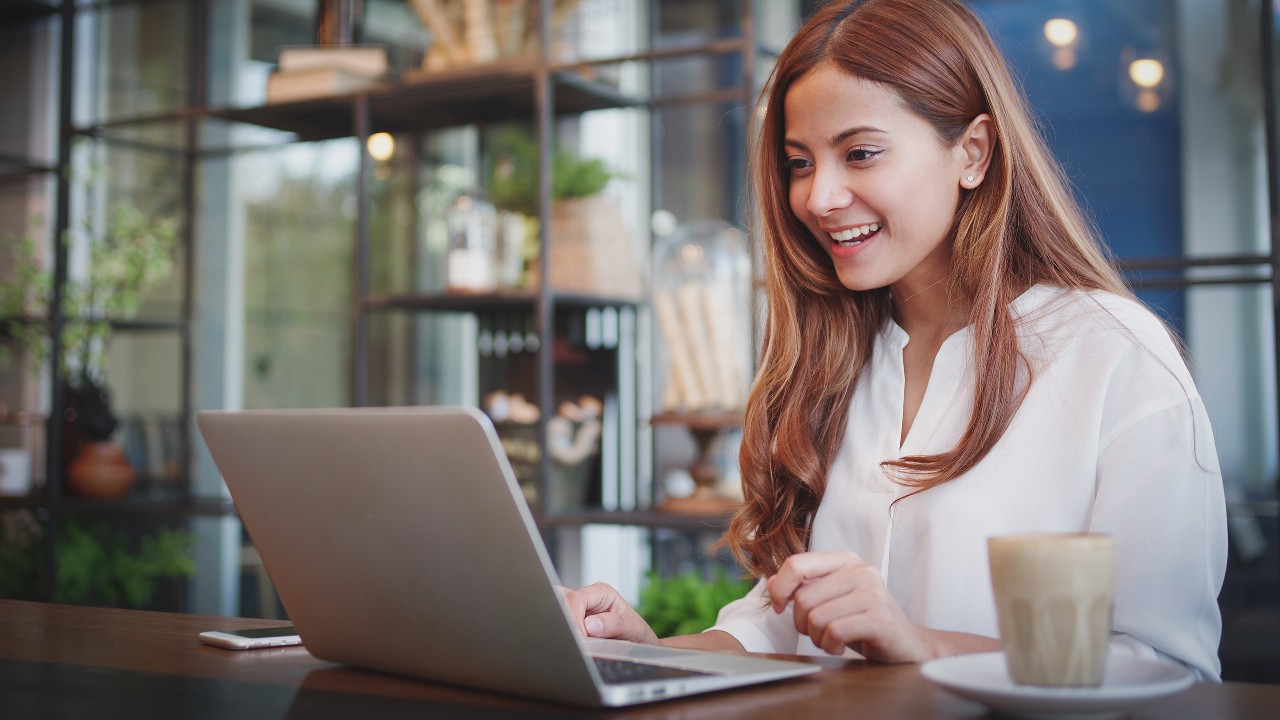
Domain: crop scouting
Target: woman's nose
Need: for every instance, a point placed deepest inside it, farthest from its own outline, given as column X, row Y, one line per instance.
column 828, row 193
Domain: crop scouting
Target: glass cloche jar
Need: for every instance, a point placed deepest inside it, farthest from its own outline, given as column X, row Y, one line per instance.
column 702, row 305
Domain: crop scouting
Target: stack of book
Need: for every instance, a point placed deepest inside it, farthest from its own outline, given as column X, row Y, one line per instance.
column 311, row 71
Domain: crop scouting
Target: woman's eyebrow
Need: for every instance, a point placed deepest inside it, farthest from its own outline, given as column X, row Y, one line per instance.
column 839, row 137
column 859, row 130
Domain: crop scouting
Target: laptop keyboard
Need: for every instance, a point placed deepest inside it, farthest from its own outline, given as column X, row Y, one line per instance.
column 621, row 672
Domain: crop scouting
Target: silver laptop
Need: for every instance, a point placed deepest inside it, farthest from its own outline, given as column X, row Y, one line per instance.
column 399, row 541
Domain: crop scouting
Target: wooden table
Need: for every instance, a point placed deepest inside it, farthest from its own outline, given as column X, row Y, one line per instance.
column 60, row 661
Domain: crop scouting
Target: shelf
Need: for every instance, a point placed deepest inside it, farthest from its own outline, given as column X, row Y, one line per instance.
column 709, row 420
column 22, row 502
column 131, row 324
column 589, row 301
column 9, row 322
column 146, row 325
column 137, row 505
column 20, row 418
column 506, row 301
column 11, row 173
column 17, row 11
column 682, row 521
column 13, row 167
column 151, row 507
column 447, row 99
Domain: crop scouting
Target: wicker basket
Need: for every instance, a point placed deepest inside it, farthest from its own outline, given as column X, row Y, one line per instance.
column 591, row 250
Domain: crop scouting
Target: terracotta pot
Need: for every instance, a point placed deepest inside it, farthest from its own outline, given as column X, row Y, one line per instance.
column 100, row 470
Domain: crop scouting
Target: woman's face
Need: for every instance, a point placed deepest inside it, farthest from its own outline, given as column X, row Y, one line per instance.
column 870, row 179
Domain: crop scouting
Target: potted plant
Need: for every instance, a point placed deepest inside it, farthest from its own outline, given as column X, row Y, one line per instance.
column 590, row 251
column 132, row 254
column 514, row 180
column 687, row 603
column 96, row 564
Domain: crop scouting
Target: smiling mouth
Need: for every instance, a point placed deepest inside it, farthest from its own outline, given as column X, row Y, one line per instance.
column 855, row 235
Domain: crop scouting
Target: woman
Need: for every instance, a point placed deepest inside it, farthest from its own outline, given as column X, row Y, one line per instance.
column 949, row 355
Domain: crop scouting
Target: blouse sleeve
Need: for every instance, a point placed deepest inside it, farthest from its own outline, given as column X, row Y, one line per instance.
column 753, row 623
column 1160, row 496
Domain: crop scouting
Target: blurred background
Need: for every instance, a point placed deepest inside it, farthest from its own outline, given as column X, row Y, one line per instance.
column 537, row 208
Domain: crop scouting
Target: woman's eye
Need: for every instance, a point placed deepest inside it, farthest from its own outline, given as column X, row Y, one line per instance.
column 861, row 154
column 798, row 164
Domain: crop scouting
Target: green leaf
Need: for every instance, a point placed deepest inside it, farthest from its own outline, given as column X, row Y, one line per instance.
column 130, row 255
column 513, row 182
column 96, row 564
column 687, row 603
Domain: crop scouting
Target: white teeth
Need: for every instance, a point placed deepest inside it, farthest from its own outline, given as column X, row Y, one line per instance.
column 854, row 232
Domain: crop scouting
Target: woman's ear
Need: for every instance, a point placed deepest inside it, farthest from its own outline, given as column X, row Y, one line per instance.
column 975, row 147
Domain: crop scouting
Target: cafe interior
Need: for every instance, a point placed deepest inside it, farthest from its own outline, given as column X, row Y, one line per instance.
column 530, row 207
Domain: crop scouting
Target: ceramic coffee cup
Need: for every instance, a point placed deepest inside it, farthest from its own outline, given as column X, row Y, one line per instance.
column 1053, row 599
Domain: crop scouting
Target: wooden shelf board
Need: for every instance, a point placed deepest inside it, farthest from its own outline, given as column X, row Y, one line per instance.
column 579, row 300
column 709, row 420
column 129, row 324
column 13, row 167
column 448, row 99
column 644, row 518
column 453, row 301
column 517, row 300
column 19, row 502
column 139, row 505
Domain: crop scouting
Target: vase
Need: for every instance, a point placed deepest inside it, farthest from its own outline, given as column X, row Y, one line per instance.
column 100, row 470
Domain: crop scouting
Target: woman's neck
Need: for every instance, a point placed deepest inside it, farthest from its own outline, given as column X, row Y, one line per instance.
column 928, row 312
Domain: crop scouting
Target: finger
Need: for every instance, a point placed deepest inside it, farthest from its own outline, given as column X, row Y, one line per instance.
column 588, row 601
column 607, row 625
column 824, row 598
column 837, row 633
column 877, row 633
column 833, row 642
column 833, row 634
column 625, row 624
column 599, row 597
column 799, row 568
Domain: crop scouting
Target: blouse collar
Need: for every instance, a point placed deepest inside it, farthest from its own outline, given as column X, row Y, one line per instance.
column 1029, row 301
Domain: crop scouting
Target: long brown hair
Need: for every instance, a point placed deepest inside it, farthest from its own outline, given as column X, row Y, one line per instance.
column 1019, row 227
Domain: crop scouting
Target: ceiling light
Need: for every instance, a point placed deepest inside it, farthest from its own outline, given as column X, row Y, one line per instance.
column 1060, row 32
column 1146, row 72
column 381, row 146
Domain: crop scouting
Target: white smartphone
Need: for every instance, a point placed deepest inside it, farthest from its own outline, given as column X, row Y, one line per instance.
column 251, row 639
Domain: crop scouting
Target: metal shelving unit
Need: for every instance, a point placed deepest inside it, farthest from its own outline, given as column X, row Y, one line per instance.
column 541, row 91
column 51, row 503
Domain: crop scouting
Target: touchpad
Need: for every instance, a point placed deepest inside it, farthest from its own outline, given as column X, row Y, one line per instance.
column 632, row 651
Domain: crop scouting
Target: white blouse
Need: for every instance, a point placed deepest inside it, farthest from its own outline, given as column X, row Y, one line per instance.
column 1111, row 438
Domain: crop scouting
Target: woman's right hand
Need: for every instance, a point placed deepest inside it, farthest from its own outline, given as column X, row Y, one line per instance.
column 600, row 612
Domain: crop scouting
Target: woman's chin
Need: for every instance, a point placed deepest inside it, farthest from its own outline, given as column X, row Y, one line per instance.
column 858, row 282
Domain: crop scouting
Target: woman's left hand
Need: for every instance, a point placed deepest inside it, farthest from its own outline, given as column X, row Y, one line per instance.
column 840, row 601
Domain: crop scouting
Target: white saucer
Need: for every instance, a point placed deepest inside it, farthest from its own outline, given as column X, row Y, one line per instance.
column 1127, row 683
